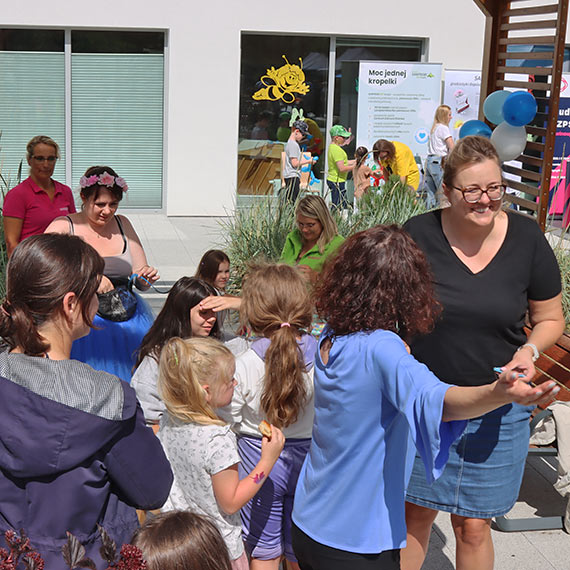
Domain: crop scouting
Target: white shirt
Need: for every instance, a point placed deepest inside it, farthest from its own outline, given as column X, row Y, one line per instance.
column 196, row 452
column 436, row 143
column 245, row 409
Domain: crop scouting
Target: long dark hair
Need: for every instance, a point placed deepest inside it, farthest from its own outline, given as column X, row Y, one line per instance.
column 174, row 318
column 379, row 279
column 41, row 271
column 209, row 265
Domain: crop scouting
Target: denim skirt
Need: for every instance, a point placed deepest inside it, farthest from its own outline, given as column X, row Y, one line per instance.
column 483, row 475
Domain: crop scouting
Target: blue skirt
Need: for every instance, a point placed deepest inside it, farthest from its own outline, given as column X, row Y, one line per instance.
column 112, row 346
column 484, row 472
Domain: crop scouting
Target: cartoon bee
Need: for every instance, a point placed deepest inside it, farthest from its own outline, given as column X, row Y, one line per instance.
column 282, row 83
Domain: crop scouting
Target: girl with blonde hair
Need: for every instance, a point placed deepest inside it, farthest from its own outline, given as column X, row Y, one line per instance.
column 274, row 381
column 196, row 377
column 440, row 144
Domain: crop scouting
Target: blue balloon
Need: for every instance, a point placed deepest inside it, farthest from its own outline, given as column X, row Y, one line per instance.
column 519, row 108
column 475, row 127
column 493, row 106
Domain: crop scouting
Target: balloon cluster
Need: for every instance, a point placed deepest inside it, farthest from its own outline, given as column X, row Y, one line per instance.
column 510, row 111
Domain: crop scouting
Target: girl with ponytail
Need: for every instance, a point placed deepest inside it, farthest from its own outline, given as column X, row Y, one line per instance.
column 274, row 382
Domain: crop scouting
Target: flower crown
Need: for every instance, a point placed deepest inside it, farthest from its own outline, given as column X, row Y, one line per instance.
column 104, row 179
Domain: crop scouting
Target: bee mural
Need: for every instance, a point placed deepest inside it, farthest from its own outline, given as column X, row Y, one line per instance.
column 281, row 83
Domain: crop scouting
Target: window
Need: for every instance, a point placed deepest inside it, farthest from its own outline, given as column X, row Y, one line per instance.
column 117, row 110
column 280, row 75
column 116, row 82
column 31, row 96
column 266, row 104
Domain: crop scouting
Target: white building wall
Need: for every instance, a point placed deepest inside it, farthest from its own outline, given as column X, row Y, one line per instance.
column 204, row 65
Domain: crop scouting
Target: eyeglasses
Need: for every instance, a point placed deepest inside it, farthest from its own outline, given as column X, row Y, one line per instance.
column 49, row 159
column 309, row 226
column 472, row 195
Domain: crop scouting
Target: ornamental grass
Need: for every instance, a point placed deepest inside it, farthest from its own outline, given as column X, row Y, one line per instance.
column 258, row 232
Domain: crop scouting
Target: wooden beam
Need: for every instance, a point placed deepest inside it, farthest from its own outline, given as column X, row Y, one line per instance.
column 532, row 40
column 523, row 84
column 533, row 160
column 546, row 55
column 532, row 10
column 529, row 174
column 526, row 188
column 532, row 145
column 522, row 202
column 515, row 69
column 534, row 25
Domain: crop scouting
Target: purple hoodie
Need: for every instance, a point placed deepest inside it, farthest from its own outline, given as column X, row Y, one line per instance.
column 74, row 452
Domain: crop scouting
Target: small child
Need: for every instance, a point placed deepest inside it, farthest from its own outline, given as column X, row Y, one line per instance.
column 275, row 381
column 361, row 173
column 196, row 376
column 181, row 316
column 214, row 268
column 181, row 539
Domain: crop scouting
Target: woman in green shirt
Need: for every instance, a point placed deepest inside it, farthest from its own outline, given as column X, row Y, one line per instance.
column 314, row 240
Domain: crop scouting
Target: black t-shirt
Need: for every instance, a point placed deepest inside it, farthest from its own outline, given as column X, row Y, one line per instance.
column 481, row 325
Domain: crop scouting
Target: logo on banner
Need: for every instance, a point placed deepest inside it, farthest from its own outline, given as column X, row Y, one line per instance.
column 421, row 136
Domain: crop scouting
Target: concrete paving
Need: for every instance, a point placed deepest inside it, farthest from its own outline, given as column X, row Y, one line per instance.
column 175, row 246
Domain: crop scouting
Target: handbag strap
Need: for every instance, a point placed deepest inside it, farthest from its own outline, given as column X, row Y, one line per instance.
column 134, row 276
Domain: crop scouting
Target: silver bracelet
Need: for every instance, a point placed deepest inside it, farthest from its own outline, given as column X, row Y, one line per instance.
column 535, row 353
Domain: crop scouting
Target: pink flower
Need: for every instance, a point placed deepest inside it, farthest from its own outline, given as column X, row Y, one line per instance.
column 106, row 179
column 85, row 181
column 121, row 183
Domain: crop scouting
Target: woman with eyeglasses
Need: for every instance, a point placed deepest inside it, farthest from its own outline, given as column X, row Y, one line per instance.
column 31, row 206
column 490, row 266
column 314, row 239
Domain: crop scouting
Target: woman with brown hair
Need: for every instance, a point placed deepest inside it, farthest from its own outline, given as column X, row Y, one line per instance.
column 371, row 399
column 75, row 450
column 397, row 158
column 112, row 344
column 274, row 381
column 490, row 267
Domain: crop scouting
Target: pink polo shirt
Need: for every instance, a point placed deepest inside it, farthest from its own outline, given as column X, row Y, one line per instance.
column 31, row 204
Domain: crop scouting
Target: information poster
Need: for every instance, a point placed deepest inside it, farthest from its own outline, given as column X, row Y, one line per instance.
column 461, row 92
column 397, row 102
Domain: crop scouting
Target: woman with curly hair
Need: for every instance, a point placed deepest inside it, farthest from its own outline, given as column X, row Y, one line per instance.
column 371, row 398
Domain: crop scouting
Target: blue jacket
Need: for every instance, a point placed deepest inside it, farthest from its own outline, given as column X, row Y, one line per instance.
column 74, row 453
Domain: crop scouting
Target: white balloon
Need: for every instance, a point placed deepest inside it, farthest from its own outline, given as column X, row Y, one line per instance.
column 509, row 141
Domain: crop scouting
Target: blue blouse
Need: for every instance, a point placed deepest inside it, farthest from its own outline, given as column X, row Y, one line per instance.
column 373, row 401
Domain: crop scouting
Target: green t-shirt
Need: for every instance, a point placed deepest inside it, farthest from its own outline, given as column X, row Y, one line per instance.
column 312, row 258
column 334, row 155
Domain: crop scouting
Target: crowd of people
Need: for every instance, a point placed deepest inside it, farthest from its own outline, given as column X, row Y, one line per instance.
column 322, row 449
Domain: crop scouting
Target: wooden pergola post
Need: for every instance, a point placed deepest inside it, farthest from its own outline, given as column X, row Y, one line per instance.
column 507, row 26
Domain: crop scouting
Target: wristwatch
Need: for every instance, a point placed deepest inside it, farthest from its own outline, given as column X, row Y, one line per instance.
column 535, row 353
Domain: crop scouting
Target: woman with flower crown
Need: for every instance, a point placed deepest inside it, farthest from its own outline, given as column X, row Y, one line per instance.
column 111, row 345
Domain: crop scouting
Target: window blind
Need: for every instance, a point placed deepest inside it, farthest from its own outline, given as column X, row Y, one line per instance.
column 31, row 103
column 117, row 120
